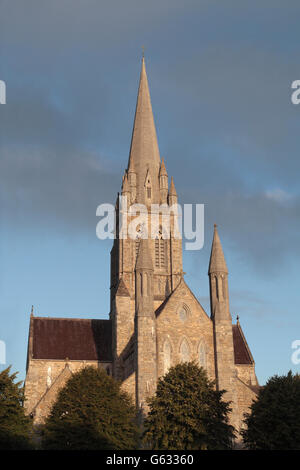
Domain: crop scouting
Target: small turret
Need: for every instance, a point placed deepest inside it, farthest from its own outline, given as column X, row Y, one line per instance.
column 218, row 277
column 163, row 182
column 172, row 196
column 222, row 324
column 217, row 261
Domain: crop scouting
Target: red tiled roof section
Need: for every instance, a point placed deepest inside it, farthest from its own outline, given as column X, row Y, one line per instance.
column 75, row 339
column 241, row 353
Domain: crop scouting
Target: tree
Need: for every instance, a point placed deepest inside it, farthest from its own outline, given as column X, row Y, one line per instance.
column 91, row 412
column 274, row 419
column 15, row 427
column 187, row 412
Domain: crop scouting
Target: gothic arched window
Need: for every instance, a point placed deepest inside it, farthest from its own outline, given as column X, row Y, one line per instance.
column 148, row 187
column 137, row 239
column 217, row 287
column 137, row 244
column 149, row 283
column 202, row 354
column 49, row 377
column 183, row 314
column 220, row 287
column 160, row 250
column 224, row 286
column 184, row 351
column 141, row 283
column 167, row 356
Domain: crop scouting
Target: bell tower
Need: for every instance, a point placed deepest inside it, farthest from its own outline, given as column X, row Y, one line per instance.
column 145, row 200
column 145, row 182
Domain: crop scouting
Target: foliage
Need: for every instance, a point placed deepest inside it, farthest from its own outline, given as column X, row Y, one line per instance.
column 274, row 420
column 15, row 427
column 187, row 412
column 91, row 412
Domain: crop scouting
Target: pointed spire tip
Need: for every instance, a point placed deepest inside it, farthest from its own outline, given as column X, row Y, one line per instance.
column 144, row 146
column 217, row 261
column 172, row 190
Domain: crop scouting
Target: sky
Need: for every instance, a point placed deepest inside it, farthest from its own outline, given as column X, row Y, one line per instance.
column 220, row 76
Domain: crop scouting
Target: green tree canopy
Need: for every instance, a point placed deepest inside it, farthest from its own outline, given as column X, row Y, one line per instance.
column 91, row 412
column 187, row 412
column 274, row 420
column 15, row 427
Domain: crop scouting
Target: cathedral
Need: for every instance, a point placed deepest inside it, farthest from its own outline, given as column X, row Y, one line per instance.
column 155, row 320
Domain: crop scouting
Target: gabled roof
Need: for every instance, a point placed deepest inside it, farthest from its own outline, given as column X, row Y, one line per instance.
column 182, row 281
column 48, row 398
column 242, row 354
column 72, row 338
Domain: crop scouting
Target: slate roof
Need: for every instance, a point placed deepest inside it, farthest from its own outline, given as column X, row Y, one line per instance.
column 72, row 338
column 242, row 353
column 81, row 339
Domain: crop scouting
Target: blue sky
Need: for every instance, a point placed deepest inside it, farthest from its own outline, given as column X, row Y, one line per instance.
column 220, row 78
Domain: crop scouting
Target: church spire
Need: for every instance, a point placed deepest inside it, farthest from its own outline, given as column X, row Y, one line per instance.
column 144, row 151
column 217, row 262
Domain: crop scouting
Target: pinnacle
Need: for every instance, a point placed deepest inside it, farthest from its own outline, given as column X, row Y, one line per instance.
column 217, row 261
column 172, row 190
column 163, row 171
column 125, row 186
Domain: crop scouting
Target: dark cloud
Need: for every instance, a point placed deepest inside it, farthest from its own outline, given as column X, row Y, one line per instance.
column 54, row 186
column 220, row 79
column 261, row 228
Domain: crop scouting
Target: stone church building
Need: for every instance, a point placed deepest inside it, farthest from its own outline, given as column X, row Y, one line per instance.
column 155, row 320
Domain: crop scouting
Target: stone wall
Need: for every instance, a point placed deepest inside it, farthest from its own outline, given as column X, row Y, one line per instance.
column 194, row 327
column 44, row 379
